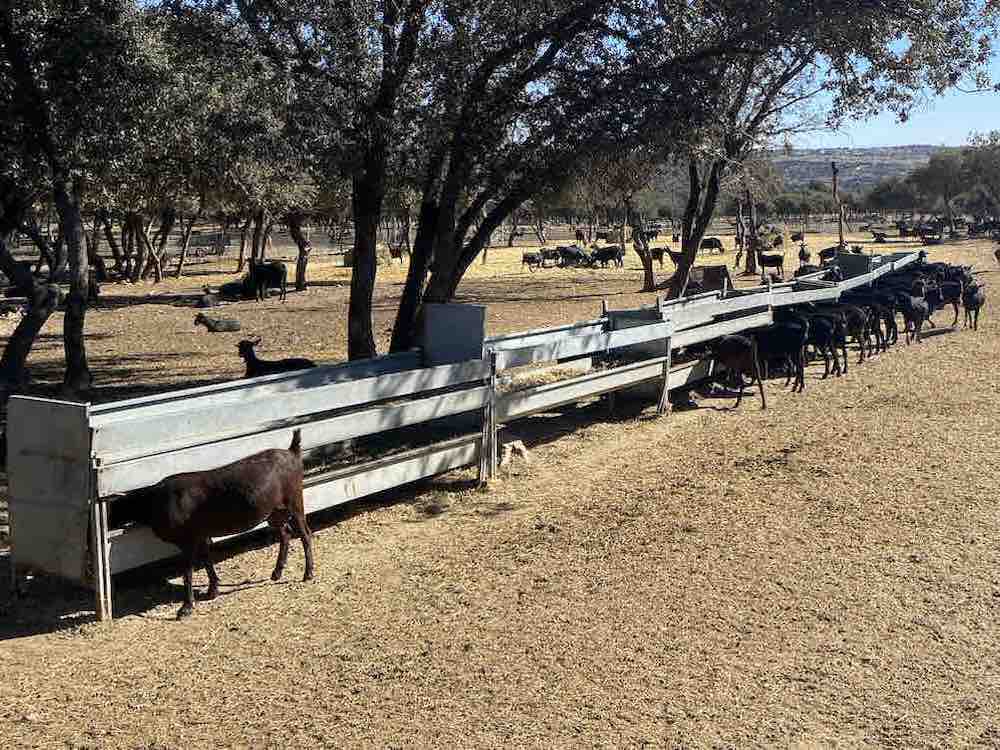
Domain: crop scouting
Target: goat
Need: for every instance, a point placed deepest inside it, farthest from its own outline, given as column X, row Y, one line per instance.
column 604, row 235
column 773, row 261
column 778, row 241
column 216, row 325
column 738, row 354
column 187, row 510
column 266, row 275
column 611, row 254
column 973, row 299
column 712, row 244
column 207, row 299
column 804, row 255
column 257, row 367
column 797, row 237
column 945, row 293
column 915, row 311
column 579, row 236
column 532, row 260
column 828, row 253
column 785, row 341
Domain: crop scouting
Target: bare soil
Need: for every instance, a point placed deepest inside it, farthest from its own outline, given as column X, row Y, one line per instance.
column 821, row 573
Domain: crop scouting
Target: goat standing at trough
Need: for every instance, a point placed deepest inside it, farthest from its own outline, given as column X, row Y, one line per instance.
column 216, row 325
column 257, row 366
column 738, row 354
column 187, row 510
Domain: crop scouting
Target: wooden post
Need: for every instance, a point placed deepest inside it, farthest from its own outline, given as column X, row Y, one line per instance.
column 101, row 556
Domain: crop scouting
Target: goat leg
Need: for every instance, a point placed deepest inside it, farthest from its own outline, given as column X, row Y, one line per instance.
column 188, row 607
column 278, row 522
column 298, row 520
column 955, row 321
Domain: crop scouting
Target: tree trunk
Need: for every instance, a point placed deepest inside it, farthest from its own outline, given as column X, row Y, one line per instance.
column 753, row 243
column 140, row 241
column 294, row 220
column 67, row 199
column 93, row 254
column 158, row 245
column 640, row 244
column 186, row 240
column 405, row 332
column 258, row 236
column 367, row 203
column 42, row 300
column 243, row 245
column 109, row 235
column 702, row 199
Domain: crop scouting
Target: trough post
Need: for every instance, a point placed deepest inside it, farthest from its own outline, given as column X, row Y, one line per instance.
column 664, row 406
column 488, row 452
column 101, row 559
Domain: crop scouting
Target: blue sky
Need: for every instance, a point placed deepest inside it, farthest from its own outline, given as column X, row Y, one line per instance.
column 944, row 121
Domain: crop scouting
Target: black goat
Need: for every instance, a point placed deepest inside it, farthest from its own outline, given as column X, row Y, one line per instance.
column 207, row 299
column 785, row 342
column 804, row 255
column 611, row 254
column 773, row 261
column 973, row 299
column 217, row 325
column 532, row 260
column 270, row 274
column 738, row 354
column 257, row 367
column 711, row 244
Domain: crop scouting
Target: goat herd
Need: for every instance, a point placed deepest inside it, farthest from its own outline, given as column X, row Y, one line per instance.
column 868, row 318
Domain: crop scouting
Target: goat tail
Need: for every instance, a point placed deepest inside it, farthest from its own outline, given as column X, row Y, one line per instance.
column 296, row 446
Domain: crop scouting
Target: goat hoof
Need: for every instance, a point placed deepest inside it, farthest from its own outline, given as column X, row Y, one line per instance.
column 213, row 591
column 185, row 611
column 308, row 576
column 276, row 575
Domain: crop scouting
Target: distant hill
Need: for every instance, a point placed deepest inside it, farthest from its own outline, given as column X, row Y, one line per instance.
column 860, row 168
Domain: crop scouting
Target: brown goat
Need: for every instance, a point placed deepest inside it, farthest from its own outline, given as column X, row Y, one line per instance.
column 187, row 510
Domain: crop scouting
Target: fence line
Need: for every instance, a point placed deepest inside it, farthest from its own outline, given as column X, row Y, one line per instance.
column 60, row 491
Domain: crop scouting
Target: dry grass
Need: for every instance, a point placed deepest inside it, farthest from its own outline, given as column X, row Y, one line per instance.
column 820, row 573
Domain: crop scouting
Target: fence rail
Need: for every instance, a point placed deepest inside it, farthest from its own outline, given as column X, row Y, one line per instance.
column 67, row 462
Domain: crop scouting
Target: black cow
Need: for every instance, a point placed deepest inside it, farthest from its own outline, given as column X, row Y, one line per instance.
column 611, row 254
column 712, row 244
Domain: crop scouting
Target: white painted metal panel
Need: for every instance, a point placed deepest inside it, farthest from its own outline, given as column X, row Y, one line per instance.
column 742, row 302
column 551, row 395
column 543, row 335
column 128, row 475
column 575, row 346
column 452, row 333
column 171, row 431
column 802, row 296
column 138, row 546
column 689, row 373
column 239, row 391
column 725, row 328
column 48, row 465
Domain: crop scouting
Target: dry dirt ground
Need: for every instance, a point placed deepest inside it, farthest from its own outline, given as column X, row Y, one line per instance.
column 823, row 573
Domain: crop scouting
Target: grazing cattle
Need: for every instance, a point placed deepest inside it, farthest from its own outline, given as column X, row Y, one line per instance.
column 188, row 510
column 572, row 256
column 712, row 244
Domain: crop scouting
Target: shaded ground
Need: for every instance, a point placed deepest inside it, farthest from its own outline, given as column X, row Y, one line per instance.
column 824, row 572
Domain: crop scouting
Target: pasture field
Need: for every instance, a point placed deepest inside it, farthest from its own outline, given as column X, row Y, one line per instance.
column 822, row 573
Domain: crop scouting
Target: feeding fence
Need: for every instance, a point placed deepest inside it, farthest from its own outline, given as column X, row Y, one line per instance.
column 67, row 461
